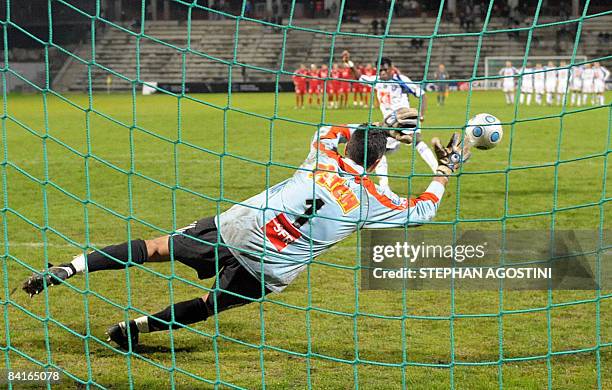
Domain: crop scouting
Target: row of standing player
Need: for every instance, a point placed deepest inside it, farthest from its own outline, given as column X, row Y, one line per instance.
column 336, row 83
column 581, row 81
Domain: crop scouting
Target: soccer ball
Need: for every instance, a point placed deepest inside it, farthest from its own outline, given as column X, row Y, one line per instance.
column 484, row 131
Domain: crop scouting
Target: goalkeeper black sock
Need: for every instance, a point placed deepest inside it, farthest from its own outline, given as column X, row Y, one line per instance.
column 185, row 313
column 112, row 257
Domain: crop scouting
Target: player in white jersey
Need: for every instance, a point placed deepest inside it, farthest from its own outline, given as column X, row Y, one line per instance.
column 551, row 82
column 539, row 83
column 576, row 85
column 262, row 244
column 392, row 89
column 601, row 76
column 562, row 82
column 526, row 84
column 508, row 73
column 588, row 84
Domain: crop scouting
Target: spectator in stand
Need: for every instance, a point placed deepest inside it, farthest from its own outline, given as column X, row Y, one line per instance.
column 375, row 26
column 601, row 37
column 383, row 26
column 136, row 24
column 416, row 43
column 248, row 9
column 477, row 10
column 502, row 10
column 462, row 21
column 413, row 8
column 350, row 16
column 276, row 17
column 333, row 10
column 274, row 9
column 318, row 8
column 514, row 33
column 470, row 18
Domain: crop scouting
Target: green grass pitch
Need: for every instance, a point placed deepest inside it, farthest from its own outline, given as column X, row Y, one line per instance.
column 375, row 352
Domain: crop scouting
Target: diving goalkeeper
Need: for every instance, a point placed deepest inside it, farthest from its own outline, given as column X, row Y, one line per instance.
column 273, row 236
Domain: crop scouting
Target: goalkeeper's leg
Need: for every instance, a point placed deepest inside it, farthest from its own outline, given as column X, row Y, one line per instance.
column 110, row 257
column 197, row 248
column 237, row 287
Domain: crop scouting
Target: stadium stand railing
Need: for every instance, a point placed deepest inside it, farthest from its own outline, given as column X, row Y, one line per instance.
column 260, row 49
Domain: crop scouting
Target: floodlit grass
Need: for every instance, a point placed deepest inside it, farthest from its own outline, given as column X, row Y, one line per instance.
column 115, row 170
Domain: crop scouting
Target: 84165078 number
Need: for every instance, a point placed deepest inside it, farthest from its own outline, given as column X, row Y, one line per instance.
column 29, row 376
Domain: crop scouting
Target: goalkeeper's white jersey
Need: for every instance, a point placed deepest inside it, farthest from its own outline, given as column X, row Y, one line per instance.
column 393, row 94
column 276, row 232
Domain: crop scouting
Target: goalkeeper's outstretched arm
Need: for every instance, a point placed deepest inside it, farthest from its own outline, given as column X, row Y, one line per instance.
column 390, row 210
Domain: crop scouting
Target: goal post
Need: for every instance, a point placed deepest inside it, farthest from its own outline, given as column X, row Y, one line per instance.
column 494, row 64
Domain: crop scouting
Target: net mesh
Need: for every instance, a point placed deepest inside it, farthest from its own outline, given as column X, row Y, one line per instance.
column 124, row 170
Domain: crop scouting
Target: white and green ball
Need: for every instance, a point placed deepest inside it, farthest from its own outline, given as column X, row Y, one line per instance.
column 484, row 131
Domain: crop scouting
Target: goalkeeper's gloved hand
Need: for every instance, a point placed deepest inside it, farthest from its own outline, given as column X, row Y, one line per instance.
column 450, row 157
column 403, row 118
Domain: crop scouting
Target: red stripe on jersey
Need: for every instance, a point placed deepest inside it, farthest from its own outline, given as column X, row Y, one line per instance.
column 424, row 197
column 281, row 232
column 388, row 202
column 334, row 131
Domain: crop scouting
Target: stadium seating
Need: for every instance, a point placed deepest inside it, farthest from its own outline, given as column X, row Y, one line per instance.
column 163, row 54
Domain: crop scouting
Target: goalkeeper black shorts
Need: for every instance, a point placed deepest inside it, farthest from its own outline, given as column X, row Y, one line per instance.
column 196, row 246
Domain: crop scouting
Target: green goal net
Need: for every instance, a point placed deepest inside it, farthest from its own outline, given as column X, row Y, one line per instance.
column 88, row 161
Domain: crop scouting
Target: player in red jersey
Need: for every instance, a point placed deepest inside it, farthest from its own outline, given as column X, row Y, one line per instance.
column 347, row 72
column 358, row 89
column 366, row 89
column 328, row 85
column 336, row 86
column 314, row 85
column 299, row 83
